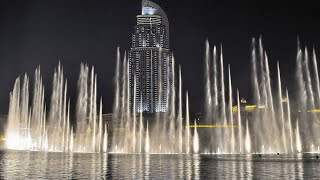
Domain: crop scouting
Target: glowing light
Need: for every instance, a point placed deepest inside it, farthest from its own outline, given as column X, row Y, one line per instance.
column 250, row 107
column 13, row 141
column 148, row 10
column 315, row 111
column 211, row 126
column 235, row 109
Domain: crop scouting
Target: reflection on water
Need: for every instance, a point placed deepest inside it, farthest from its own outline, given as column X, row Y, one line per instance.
column 300, row 170
column 35, row 165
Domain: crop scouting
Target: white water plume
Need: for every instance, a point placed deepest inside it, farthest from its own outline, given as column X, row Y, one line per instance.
column 273, row 122
column 195, row 139
column 30, row 128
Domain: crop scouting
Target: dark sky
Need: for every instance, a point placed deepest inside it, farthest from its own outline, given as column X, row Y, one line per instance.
column 41, row 32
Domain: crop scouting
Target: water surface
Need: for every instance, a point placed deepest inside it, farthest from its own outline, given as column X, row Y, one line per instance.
column 40, row 165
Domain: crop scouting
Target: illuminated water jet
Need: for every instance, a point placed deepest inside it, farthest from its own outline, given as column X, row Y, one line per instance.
column 272, row 123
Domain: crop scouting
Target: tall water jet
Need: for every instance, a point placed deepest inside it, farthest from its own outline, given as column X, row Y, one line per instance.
column 289, row 122
column 269, row 103
column 116, row 103
column 195, row 139
column 82, row 103
column 94, row 109
column 133, row 141
column 105, row 139
column 231, row 114
column 316, row 75
column 263, row 79
column 38, row 110
column 128, row 112
column 215, row 107
column 215, row 81
column 255, row 74
column 100, row 128
column 172, row 111
column 140, row 127
column 187, row 129
column 256, row 93
column 301, row 92
column 301, row 85
column 281, row 110
column 167, row 123
column 71, row 140
column 310, row 96
column 85, row 139
column 117, row 86
column 124, row 111
column 64, row 119
column 208, row 84
column 239, row 123
column 298, row 140
column 160, row 101
column 247, row 140
column 147, row 143
column 24, row 117
column 180, row 141
column 13, row 127
column 68, row 132
column 57, row 111
column 223, row 106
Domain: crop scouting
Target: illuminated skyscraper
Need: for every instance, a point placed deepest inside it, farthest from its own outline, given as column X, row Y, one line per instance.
column 150, row 60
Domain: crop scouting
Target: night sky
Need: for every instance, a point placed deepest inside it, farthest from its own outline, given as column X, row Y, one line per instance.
column 41, row 32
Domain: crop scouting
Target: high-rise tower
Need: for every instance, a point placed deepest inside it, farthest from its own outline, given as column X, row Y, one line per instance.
column 150, row 60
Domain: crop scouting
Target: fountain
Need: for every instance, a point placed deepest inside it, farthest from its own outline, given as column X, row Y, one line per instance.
column 30, row 128
column 247, row 140
column 298, row 140
column 165, row 132
column 195, row 139
column 270, row 123
column 275, row 124
column 187, row 129
column 147, row 144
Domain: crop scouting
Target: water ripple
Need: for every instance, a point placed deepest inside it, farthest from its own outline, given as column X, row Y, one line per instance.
column 41, row 165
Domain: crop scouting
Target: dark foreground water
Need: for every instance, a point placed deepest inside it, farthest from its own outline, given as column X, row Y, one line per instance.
column 40, row 165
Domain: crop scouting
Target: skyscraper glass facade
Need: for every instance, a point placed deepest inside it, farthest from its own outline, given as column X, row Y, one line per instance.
column 150, row 61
